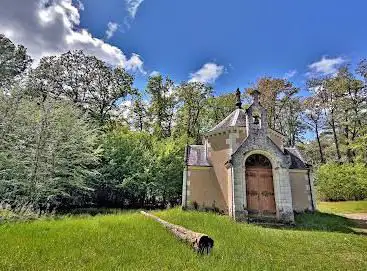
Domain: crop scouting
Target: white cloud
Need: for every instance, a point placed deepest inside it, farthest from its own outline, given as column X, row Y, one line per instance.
column 208, row 73
column 326, row 66
column 154, row 73
column 132, row 6
column 52, row 27
column 111, row 29
column 135, row 64
column 290, row 74
column 80, row 5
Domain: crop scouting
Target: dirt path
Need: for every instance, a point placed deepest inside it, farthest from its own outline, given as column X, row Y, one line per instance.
column 360, row 219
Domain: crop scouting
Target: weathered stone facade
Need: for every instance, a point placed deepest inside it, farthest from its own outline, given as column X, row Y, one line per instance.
column 225, row 152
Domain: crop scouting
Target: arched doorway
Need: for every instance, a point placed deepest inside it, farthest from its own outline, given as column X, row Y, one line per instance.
column 259, row 186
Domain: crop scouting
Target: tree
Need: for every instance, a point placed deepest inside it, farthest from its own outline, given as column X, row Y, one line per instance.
column 85, row 80
column 13, row 60
column 193, row 98
column 162, row 105
column 139, row 114
column 283, row 107
column 314, row 117
column 48, row 153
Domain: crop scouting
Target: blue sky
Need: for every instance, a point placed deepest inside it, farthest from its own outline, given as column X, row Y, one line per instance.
column 248, row 38
column 229, row 44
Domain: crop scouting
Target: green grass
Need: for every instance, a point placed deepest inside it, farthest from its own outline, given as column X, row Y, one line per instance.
column 133, row 242
column 343, row 207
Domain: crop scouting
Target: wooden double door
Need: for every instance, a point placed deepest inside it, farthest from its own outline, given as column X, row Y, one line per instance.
column 260, row 191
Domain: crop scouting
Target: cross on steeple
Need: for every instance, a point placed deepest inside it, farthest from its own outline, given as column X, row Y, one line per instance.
column 238, row 99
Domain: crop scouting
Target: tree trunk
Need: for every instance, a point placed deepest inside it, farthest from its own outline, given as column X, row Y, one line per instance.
column 319, row 144
column 336, row 141
column 199, row 241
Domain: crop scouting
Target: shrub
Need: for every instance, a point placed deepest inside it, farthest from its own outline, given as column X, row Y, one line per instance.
column 21, row 212
column 342, row 182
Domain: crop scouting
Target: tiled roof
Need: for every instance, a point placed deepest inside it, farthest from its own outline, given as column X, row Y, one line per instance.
column 236, row 119
column 195, row 156
column 297, row 161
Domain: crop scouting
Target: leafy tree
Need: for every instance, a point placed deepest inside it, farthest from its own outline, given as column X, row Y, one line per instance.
column 48, row 153
column 283, row 107
column 193, row 98
column 162, row 105
column 139, row 114
column 139, row 169
column 85, row 80
column 314, row 117
column 13, row 60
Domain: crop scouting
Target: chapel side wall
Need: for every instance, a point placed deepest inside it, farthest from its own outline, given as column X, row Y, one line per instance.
column 218, row 156
column 204, row 189
column 300, row 190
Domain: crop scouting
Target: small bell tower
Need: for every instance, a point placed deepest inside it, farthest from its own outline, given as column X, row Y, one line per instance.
column 256, row 115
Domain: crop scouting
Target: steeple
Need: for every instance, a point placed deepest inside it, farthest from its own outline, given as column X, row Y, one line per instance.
column 238, row 99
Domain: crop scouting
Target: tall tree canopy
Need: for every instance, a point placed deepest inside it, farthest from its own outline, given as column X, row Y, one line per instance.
column 85, row 80
column 13, row 60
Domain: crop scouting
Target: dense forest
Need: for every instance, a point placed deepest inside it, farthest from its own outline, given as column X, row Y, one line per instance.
column 75, row 132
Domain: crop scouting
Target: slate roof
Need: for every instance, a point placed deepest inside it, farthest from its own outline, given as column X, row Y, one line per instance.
column 297, row 161
column 236, row 119
column 195, row 156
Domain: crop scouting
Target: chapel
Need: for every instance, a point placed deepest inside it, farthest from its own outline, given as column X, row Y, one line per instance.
column 243, row 169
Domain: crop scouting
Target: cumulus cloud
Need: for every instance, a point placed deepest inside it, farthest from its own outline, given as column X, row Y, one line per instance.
column 326, row 66
column 290, row 74
column 208, row 73
column 51, row 27
column 111, row 29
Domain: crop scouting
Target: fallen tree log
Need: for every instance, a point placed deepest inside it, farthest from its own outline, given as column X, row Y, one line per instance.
column 201, row 243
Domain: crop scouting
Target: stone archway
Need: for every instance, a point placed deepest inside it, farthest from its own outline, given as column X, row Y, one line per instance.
column 259, row 186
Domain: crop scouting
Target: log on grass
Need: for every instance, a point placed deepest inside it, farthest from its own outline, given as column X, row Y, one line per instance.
column 201, row 243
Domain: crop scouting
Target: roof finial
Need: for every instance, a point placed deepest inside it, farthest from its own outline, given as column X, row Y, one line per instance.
column 238, row 99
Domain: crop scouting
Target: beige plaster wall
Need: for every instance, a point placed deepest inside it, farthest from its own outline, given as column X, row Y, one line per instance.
column 204, row 189
column 300, row 190
column 218, row 156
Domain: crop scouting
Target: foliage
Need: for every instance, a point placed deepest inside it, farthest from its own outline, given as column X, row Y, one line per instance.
column 342, row 182
column 140, row 170
column 13, row 61
column 82, row 79
column 193, row 98
column 284, row 108
column 20, row 212
column 162, row 105
column 47, row 152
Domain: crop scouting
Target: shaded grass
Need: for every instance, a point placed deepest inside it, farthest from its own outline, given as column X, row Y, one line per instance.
column 343, row 207
column 134, row 242
column 324, row 222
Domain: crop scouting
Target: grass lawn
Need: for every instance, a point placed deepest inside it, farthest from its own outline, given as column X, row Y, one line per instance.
column 130, row 241
column 343, row 207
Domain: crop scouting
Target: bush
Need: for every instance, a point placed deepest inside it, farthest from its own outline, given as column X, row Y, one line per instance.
column 21, row 212
column 342, row 182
